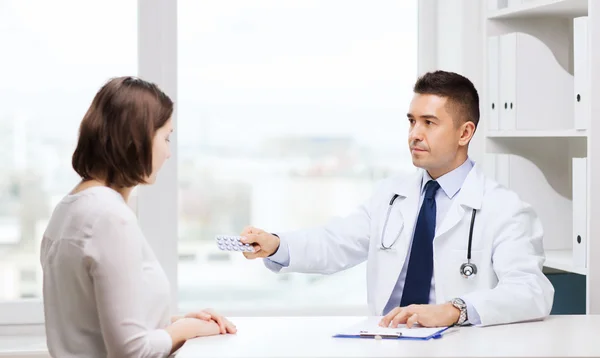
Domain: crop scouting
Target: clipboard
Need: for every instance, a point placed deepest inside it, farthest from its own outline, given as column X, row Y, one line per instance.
column 369, row 329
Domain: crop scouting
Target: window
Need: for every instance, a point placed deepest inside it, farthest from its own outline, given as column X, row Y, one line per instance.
column 56, row 55
column 288, row 113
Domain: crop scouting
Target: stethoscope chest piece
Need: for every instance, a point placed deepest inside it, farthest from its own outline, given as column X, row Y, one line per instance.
column 468, row 270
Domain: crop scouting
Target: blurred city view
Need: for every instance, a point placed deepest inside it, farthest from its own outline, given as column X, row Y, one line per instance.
column 288, row 113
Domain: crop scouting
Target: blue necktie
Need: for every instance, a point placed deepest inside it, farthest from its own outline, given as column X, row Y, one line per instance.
column 420, row 265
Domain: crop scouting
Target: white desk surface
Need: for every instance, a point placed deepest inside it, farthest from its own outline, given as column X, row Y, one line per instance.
column 558, row 336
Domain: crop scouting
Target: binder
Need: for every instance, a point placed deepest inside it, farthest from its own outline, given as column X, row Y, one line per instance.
column 530, row 78
column 514, row 3
column 581, row 79
column 508, row 81
column 493, row 85
column 489, row 165
column 579, row 237
column 503, row 169
column 369, row 329
column 497, row 4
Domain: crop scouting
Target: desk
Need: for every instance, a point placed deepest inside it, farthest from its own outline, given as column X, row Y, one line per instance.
column 558, row 336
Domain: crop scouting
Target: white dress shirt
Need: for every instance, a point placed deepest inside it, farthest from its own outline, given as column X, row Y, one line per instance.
column 450, row 185
column 105, row 294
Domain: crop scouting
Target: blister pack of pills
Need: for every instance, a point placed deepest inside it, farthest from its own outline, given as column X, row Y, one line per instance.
column 232, row 243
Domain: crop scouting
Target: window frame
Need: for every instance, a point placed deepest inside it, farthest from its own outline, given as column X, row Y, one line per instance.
column 157, row 205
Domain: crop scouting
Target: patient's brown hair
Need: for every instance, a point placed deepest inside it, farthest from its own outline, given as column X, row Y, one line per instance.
column 116, row 133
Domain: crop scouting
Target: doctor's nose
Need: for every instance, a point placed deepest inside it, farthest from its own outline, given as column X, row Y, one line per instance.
column 415, row 134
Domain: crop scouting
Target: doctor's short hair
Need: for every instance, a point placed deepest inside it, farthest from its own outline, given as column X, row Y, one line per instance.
column 460, row 93
column 116, row 134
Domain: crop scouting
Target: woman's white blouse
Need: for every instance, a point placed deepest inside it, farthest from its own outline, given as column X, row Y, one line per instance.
column 105, row 293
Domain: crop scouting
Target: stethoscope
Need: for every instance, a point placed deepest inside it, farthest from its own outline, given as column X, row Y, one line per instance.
column 467, row 269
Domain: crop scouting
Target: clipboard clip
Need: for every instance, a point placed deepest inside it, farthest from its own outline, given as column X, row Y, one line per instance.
column 366, row 334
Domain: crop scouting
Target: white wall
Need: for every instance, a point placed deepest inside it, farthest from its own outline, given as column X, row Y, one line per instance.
column 451, row 39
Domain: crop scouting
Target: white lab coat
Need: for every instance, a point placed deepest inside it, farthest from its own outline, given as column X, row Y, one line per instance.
column 507, row 248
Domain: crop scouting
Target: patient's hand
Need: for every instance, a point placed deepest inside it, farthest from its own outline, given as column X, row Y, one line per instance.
column 225, row 326
column 188, row 327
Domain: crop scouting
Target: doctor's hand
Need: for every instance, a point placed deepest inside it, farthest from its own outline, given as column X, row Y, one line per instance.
column 425, row 315
column 265, row 244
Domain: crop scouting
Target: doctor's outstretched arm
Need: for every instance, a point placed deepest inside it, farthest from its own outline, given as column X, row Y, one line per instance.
column 339, row 245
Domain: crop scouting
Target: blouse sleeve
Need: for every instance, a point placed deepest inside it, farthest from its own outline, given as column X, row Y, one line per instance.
column 116, row 271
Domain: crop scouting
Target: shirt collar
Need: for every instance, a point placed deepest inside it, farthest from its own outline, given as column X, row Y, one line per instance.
column 451, row 182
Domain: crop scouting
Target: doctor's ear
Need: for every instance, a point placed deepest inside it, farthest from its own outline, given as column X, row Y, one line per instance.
column 467, row 130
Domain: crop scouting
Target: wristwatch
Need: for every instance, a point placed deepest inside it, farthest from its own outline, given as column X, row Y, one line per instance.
column 462, row 307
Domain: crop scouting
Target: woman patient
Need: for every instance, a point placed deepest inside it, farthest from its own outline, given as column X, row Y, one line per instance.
column 105, row 293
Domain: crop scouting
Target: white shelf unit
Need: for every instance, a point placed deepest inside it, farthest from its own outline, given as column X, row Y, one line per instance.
column 562, row 260
column 568, row 133
column 540, row 70
column 539, row 8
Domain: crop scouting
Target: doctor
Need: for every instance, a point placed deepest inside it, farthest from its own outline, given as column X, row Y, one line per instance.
column 443, row 246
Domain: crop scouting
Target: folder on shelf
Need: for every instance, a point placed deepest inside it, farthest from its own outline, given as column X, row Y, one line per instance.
column 507, row 81
column 535, row 90
column 502, row 163
column 579, row 212
column 489, row 165
column 493, row 106
column 369, row 328
column 581, row 73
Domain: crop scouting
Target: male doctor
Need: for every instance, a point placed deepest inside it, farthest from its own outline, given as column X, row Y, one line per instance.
column 418, row 232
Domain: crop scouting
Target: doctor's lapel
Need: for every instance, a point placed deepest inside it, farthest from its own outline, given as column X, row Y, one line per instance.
column 409, row 207
column 469, row 197
column 402, row 219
